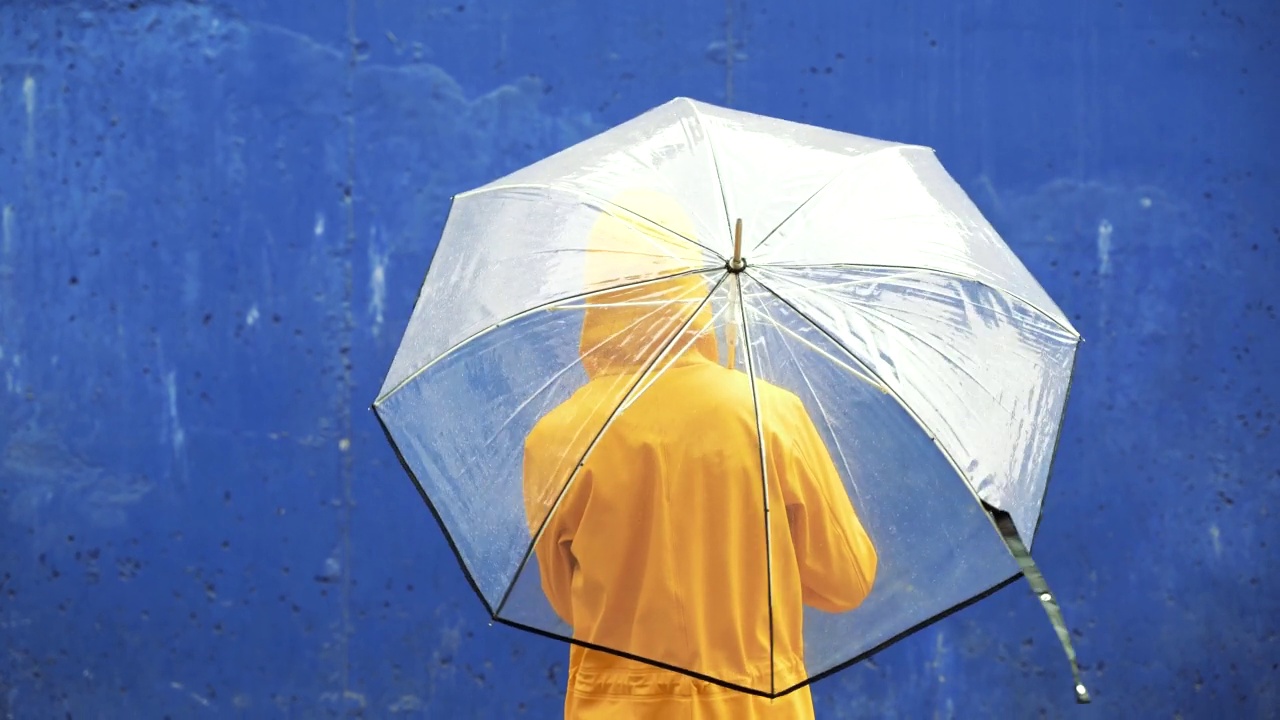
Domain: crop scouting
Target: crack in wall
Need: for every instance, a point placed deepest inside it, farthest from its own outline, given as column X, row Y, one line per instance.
column 344, row 420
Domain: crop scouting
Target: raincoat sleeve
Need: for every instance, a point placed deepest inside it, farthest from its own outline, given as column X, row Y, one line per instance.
column 836, row 557
column 554, row 551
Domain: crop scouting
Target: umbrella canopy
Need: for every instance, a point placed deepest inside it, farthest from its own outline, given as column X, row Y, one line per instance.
column 729, row 395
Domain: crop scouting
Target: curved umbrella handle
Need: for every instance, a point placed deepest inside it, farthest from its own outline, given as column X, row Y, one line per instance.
column 1004, row 523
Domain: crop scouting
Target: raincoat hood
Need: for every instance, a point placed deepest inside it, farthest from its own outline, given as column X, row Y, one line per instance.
column 622, row 328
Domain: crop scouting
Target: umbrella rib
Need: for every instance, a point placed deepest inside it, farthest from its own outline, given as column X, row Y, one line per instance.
column 548, row 305
column 887, row 388
column 817, row 397
column 764, row 472
column 948, row 273
column 590, row 196
column 814, row 347
column 715, row 165
column 854, row 162
column 559, row 374
column 582, row 461
column 870, row 310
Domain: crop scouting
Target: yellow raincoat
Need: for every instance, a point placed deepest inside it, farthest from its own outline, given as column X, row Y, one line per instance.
column 658, row 546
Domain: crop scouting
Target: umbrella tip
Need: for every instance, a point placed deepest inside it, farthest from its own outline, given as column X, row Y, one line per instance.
column 737, row 263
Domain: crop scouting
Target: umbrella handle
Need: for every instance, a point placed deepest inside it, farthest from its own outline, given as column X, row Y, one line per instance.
column 1004, row 523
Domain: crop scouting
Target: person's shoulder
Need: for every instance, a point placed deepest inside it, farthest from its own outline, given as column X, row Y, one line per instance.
column 567, row 418
column 774, row 399
column 554, row 422
column 778, row 397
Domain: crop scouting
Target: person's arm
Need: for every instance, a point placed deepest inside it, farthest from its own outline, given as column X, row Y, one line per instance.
column 837, row 559
column 553, row 550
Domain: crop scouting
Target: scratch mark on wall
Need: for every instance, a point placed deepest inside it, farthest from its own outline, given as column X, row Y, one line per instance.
column 194, row 696
column 252, row 316
column 319, row 226
column 984, row 181
column 7, row 305
column 1215, row 535
column 377, row 280
column 406, row 704
column 343, row 414
column 29, row 95
column 8, row 233
column 177, row 435
column 941, row 659
column 11, row 381
column 1104, row 247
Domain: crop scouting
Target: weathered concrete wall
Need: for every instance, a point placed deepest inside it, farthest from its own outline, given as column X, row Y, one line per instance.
column 216, row 218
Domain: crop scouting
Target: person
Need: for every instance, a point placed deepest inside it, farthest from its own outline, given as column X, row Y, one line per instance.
column 656, row 547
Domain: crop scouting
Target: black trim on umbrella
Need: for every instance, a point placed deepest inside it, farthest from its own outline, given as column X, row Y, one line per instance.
column 636, row 658
column 573, row 641
column 903, row 635
column 434, row 513
column 750, row 691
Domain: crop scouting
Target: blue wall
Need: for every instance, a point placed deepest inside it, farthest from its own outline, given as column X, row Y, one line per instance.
column 216, row 218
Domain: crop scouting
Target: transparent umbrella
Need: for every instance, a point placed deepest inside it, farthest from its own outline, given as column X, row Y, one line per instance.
column 733, row 396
